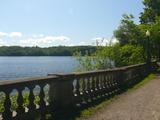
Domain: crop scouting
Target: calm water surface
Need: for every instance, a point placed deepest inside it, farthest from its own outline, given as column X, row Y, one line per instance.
column 18, row 67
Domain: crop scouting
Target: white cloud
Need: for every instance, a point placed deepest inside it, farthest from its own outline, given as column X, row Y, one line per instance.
column 12, row 34
column 84, row 43
column 15, row 34
column 3, row 43
column 45, row 41
column 2, row 34
column 17, row 38
column 41, row 40
column 37, row 36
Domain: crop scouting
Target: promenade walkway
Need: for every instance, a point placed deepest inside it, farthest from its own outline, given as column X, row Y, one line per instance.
column 141, row 104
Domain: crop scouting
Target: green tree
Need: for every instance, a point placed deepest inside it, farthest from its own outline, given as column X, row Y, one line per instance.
column 100, row 59
column 155, row 38
column 129, row 55
column 151, row 11
column 151, row 16
column 154, row 29
column 128, row 31
column 107, row 57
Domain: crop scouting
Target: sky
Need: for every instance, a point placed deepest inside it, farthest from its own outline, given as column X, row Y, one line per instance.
column 46, row 23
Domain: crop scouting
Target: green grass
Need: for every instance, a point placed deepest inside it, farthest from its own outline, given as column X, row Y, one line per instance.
column 91, row 110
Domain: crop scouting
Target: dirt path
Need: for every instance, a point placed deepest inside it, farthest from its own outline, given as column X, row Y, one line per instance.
column 142, row 104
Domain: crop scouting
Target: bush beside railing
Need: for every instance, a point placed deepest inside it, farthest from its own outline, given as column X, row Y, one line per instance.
column 59, row 91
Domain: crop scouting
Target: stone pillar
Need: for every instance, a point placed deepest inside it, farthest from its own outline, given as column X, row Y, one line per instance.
column 61, row 92
column 122, row 79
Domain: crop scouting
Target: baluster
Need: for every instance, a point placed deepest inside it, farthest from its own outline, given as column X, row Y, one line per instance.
column 78, row 95
column 137, row 75
column 114, row 82
column 83, row 85
column 88, row 88
column 84, row 89
column 100, row 85
column 42, row 102
column 7, row 114
column 132, row 77
column 20, row 109
column 31, row 105
column 107, row 85
column 47, row 88
column 93, row 87
column 97, row 86
column 104, row 84
column 52, row 99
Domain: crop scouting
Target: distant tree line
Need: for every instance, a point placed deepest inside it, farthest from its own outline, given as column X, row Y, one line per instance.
column 50, row 51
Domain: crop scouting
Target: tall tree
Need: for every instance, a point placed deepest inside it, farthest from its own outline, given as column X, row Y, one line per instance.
column 155, row 31
column 151, row 11
column 128, row 32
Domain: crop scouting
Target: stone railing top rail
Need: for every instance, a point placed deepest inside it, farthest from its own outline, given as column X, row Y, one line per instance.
column 32, row 80
column 97, row 71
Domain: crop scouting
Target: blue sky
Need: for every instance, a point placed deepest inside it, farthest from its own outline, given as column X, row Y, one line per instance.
column 61, row 22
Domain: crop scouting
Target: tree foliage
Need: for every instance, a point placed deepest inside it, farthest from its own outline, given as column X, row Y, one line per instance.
column 151, row 11
column 129, row 55
column 128, row 32
column 100, row 59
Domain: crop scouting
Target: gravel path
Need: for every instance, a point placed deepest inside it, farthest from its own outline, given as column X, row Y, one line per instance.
column 142, row 104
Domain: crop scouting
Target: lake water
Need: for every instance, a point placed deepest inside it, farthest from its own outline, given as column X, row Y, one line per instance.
column 19, row 67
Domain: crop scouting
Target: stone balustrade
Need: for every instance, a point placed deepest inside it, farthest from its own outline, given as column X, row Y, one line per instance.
column 35, row 97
